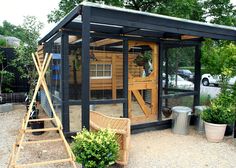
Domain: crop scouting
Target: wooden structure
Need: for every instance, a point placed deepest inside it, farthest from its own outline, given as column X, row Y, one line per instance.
column 93, row 27
column 121, row 126
column 21, row 142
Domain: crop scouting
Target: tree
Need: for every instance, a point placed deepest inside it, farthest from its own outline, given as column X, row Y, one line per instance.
column 5, row 76
column 219, row 58
column 8, row 29
column 220, row 12
column 189, row 9
column 24, row 62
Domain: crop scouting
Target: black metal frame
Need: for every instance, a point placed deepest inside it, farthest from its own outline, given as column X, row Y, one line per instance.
column 99, row 22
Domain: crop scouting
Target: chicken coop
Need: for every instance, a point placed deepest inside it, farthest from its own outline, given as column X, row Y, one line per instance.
column 124, row 63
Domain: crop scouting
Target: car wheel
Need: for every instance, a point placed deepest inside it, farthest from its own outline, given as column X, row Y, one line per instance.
column 216, row 85
column 205, row 82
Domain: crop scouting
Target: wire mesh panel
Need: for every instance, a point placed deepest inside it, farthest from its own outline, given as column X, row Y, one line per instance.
column 178, row 78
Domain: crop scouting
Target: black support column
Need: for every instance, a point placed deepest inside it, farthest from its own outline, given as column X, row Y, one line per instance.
column 125, row 77
column 197, row 78
column 65, row 82
column 85, row 65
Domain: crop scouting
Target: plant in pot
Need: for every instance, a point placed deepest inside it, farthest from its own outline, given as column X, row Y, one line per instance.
column 142, row 59
column 95, row 149
column 220, row 113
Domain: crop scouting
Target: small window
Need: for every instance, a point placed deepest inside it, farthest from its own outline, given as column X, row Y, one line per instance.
column 100, row 71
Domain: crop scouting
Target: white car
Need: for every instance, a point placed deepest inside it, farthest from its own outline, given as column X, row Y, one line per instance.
column 181, row 82
column 208, row 79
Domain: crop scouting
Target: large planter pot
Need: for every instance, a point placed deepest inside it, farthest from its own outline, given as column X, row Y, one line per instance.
column 215, row 132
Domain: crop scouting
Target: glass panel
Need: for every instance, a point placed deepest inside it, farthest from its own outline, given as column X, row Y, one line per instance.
column 75, row 65
column 75, row 118
column 171, row 102
column 93, row 67
column 113, row 110
column 107, row 84
column 108, row 67
column 53, row 80
column 180, row 67
column 100, row 73
column 93, row 73
column 99, row 67
column 107, row 73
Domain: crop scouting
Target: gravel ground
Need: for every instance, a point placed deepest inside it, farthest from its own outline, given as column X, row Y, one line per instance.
column 10, row 123
column 165, row 149
column 148, row 150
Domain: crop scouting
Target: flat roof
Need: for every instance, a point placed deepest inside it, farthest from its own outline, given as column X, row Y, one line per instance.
column 115, row 20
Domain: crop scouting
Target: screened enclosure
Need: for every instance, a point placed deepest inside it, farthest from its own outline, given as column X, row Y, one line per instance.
column 125, row 63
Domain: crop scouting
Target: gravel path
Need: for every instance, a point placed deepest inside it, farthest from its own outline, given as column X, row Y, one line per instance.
column 165, row 149
column 10, row 123
column 148, row 150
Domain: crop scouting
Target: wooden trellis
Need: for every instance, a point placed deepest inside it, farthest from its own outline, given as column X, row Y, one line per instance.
column 18, row 146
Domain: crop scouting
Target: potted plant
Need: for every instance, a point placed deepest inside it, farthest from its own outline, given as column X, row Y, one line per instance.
column 95, row 149
column 142, row 59
column 220, row 113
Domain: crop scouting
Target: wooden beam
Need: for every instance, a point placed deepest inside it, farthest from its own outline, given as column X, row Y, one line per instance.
column 39, row 130
column 43, row 141
column 104, row 42
column 41, row 119
column 43, row 163
column 73, row 39
column 187, row 37
column 141, row 102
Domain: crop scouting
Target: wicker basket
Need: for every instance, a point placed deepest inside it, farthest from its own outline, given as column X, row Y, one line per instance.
column 121, row 126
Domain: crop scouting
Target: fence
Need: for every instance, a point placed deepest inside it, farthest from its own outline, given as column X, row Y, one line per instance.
column 13, row 97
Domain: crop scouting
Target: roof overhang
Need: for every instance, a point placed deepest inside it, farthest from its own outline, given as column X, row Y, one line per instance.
column 114, row 20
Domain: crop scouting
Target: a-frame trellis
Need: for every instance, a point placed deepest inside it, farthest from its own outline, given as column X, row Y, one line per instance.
column 17, row 147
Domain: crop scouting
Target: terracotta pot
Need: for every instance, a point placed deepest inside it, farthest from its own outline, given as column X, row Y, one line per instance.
column 214, row 132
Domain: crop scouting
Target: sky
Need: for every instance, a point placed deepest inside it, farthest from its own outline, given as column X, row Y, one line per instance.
column 14, row 11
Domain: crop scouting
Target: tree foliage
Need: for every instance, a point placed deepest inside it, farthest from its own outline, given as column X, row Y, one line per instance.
column 189, row 9
column 24, row 62
column 8, row 29
column 220, row 12
column 5, row 76
column 219, row 58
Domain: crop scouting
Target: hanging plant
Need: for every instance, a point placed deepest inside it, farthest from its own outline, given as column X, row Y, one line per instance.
column 77, row 58
column 143, row 59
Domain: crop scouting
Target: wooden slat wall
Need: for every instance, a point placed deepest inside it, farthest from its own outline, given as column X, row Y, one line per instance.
column 106, row 58
column 40, row 51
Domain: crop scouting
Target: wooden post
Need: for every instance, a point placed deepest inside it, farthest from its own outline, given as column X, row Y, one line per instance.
column 113, row 77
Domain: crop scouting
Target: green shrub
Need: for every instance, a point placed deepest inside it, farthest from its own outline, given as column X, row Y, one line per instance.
column 3, row 42
column 95, row 149
column 222, row 109
column 205, row 100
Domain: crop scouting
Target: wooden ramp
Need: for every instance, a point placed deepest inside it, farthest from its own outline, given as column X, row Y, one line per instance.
column 22, row 142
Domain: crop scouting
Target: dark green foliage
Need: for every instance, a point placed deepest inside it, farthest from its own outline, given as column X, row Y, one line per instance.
column 189, row 9
column 24, row 62
column 5, row 76
column 95, row 149
column 205, row 100
column 220, row 12
column 219, row 59
column 8, row 29
column 222, row 110
column 3, row 43
column 144, row 58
